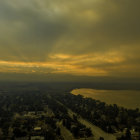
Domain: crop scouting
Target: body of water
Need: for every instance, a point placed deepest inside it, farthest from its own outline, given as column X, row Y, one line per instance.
column 125, row 98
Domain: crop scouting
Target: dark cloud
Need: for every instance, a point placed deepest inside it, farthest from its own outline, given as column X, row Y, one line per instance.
column 102, row 35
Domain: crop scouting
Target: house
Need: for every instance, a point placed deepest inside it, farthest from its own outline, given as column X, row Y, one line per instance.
column 37, row 129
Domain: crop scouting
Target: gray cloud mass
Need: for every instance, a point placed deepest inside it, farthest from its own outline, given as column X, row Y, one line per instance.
column 100, row 36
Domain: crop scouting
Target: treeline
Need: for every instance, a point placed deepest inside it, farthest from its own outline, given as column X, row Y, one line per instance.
column 13, row 123
column 110, row 118
column 77, row 129
column 21, row 112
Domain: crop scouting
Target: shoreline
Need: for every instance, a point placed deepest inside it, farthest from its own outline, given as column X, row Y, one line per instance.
column 123, row 98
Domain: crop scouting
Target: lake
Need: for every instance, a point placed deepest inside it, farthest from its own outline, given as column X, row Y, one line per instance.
column 125, row 98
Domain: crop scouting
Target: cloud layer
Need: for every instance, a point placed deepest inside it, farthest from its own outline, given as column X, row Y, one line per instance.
column 86, row 38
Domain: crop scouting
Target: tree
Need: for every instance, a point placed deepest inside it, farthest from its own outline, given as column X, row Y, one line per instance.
column 88, row 132
column 75, row 131
column 101, row 138
column 128, row 134
column 1, row 134
column 58, row 131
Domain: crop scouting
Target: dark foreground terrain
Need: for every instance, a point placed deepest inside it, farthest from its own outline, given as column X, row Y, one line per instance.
column 36, row 112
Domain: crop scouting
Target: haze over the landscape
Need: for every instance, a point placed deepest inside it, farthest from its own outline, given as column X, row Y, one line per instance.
column 65, row 39
column 69, row 69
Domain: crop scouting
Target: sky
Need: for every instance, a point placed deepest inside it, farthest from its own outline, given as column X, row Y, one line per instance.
column 69, row 38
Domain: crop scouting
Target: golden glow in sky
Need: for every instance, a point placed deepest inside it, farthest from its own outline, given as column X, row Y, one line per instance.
column 81, row 38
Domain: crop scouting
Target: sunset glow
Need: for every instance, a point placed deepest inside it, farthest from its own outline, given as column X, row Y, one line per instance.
column 80, row 38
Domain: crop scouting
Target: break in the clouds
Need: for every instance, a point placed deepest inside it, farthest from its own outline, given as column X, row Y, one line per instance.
column 77, row 37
